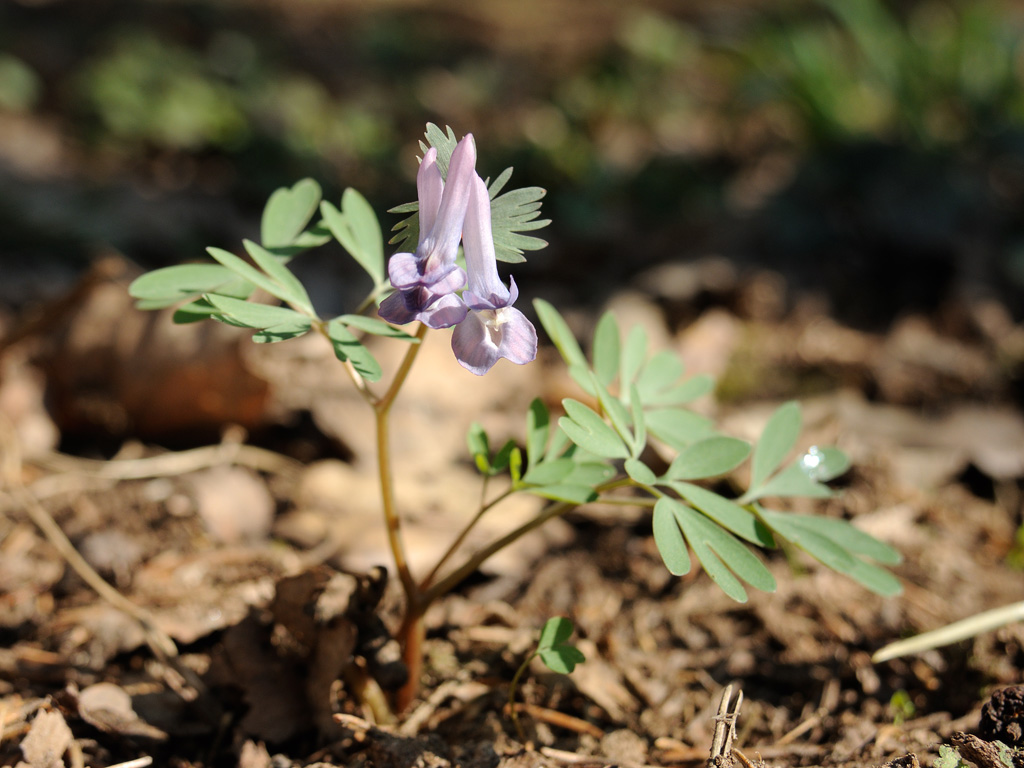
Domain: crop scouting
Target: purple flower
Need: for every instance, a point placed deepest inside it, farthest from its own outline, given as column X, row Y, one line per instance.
column 493, row 328
column 427, row 281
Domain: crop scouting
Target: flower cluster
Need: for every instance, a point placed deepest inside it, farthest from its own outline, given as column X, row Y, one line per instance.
column 427, row 283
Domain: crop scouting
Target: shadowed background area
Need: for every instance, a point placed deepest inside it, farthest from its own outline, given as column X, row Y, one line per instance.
column 820, row 200
column 870, row 150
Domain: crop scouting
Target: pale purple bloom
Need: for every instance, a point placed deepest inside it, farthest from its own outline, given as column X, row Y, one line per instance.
column 426, row 282
column 493, row 328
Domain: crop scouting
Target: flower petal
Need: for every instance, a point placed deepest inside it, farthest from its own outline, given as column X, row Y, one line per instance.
column 485, row 286
column 518, row 336
column 446, row 311
column 429, row 187
column 404, row 270
column 395, row 310
column 472, row 345
column 439, row 248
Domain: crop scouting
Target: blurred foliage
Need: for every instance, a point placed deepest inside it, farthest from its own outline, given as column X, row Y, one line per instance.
column 782, row 134
column 942, row 74
column 19, row 85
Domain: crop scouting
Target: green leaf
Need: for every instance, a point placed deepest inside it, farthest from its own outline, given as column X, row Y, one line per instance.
column 726, row 513
column 589, row 473
column 194, row 311
column 584, row 377
column 556, row 631
column 660, row 372
column 248, row 314
column 640, row 472
column 792, row 481
column 555, row 650
column 710, row 457
column 668, row 537
column 822, row 548
column 479, row 447
column 837, row 547
column 293, row 291
column 639, row 422
column 720, row 554
column 503, row 456
column 633, row 355
column 562, row 659
column 777, row 440
column 571, row 494
column 444, row 142
column 514, row 212
column 723, row 558
column 550, row 472
column 287, row 213
column 171, row 285
column 616, row 412
column 854, row 539
column 559, row 333
column 823, row 464
column 515, row 465
column 589, row 431
column 347, row 348
column 875, row 579
column 499, row 183
column 688, row 391
column 366, row 230
column 279, row 333
column 606, row 349
column 313, row 237
column 560, row 445
column 355, row 226
column 538, row 423
column 376, row 326
column 678, row 427
column 248, row 272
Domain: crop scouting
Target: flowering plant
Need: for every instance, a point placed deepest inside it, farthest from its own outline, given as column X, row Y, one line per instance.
column 629, row 437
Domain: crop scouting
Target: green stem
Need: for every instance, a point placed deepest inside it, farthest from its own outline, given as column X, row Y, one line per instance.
column 382, row 413
column 556, row 509
column 512, row 687
column 452, row 580
column 425, row 584
column 360, row 383
column 411, row 633
column 403, row 371
column 387, row 497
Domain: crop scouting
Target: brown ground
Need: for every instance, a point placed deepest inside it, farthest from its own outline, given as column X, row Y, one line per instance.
column 201, row 541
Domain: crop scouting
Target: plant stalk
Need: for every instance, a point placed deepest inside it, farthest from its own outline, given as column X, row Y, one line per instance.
column 411, row 632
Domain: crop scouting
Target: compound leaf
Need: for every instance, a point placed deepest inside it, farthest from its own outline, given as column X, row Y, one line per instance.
column 589, row 431
column 777, row 440
column 287, row 213
column 708, row 458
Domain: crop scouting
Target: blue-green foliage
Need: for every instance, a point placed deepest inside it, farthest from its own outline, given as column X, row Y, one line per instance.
column 554, row 648
column 603, row 444
column 511, row 213
column 223, row 291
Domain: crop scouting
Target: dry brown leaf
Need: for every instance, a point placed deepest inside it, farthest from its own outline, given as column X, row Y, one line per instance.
column 47, row 740
column 233, row 503
column 254, row 755
column 109, row 707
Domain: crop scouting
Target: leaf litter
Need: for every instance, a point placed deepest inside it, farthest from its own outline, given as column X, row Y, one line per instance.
column 259, row 569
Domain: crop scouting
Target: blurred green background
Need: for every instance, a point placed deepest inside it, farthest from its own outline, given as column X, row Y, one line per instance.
column 870, row 150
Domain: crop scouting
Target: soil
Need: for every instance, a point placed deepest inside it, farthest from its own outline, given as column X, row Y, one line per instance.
column 255, row 556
